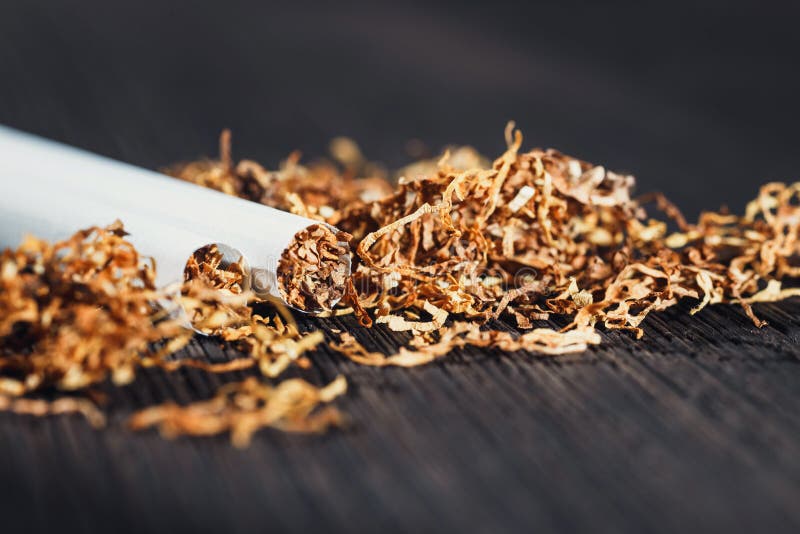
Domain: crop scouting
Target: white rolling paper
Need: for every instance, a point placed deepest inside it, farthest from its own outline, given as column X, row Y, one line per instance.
column 50, row 190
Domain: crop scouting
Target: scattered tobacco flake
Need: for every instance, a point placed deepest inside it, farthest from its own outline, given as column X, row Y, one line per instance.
column 244, row 407
column 64, row 405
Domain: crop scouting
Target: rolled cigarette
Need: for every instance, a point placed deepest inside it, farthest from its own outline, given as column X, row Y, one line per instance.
column 51, row 190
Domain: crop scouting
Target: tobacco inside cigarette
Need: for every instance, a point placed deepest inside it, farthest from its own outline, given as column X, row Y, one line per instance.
column 310, row 275
column 167, row 220
column 313, row 270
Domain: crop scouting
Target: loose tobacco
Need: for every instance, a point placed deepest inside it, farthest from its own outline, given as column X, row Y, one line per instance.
column 77, row 312
column 241, row 408
column 452, row 244
column 532, row 235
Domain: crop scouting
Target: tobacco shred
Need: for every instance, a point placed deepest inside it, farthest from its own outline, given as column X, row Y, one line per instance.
column 214, row 298
column 77, row 312
column 241, row 408
column 529, row 236
column 450, row 245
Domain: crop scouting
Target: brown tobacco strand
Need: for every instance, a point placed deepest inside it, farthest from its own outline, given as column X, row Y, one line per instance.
column 244, row 407
column 79, row 311
column 452, row 243
column 531, row 235
column 76, row 312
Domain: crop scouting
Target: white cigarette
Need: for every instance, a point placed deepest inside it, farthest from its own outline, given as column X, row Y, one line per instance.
column 51, row 190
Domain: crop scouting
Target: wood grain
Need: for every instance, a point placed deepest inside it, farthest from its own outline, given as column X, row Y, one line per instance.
column 694, row 428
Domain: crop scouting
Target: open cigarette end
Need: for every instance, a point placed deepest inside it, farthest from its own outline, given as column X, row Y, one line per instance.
column 314, row 267
column 214, row 294
column 218, row 266
column 310, row 275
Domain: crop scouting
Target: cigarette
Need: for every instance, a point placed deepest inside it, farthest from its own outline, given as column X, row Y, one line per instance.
column 50, row 190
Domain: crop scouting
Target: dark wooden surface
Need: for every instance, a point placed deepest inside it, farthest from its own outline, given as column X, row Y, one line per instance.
column 694, row 428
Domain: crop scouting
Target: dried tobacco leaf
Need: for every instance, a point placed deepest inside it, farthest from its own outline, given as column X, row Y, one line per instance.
column 64, row 405
column 82, row 310
column 461, row 334
column 244, row 407
column 76, row 312
column 531, row 235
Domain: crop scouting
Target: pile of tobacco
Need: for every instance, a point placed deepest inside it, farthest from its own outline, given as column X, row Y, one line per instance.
column 441, row 250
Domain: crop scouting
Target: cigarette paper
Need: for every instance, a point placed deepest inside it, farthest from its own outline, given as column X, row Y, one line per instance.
column 50, row 190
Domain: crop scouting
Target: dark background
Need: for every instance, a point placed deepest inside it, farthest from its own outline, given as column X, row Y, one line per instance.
column 695, row 428
column 697, row 99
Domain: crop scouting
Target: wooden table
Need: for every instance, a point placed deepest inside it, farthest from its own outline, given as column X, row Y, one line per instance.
column 694, row 428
